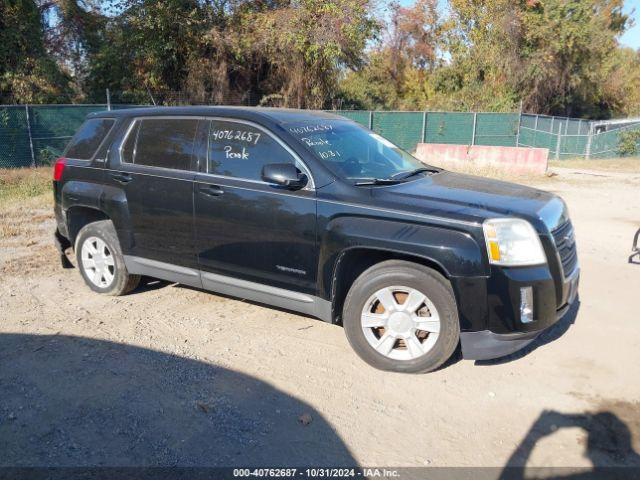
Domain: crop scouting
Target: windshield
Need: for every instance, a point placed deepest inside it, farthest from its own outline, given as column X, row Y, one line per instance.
column 353, row 152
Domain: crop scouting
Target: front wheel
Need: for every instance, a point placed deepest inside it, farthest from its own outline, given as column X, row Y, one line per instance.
column 100, row 260
column 402, row 317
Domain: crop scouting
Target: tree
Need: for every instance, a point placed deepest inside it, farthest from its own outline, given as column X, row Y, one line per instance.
column 566, row 47
column 309, row 43
column 73, row 32
column 236, row 52
column 621, row 87
column 398, row 71
column 146, row 48
column 550, row 54
column 554, row 56
column 28, row 73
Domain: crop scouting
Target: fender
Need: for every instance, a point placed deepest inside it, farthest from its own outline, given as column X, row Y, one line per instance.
column 77, row 193
column 456, row 254
column 110, row 200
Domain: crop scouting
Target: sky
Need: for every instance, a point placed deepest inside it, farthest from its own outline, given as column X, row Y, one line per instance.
column 632, row 37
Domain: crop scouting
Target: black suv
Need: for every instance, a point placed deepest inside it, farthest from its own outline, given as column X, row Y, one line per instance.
column 311, row 212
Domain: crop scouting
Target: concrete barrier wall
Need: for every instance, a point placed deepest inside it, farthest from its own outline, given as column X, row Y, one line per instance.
column 516, row 160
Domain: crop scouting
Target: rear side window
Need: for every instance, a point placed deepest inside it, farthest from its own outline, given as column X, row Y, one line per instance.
column 239, row 150
column 161, row 142
column 85, row 143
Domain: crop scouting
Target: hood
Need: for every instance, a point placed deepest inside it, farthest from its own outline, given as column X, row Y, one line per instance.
column 471, row 198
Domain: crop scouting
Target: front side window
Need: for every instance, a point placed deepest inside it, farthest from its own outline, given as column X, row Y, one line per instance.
column 161, row 142
column 351, row 151
column 85, row 143
column 239, row 150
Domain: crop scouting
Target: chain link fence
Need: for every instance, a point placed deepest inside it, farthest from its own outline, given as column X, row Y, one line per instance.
column 575, row 138
column 32, row 135
column 564, row 137
column 407, row 129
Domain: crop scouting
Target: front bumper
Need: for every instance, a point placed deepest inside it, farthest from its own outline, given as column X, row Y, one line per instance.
column 486, row 345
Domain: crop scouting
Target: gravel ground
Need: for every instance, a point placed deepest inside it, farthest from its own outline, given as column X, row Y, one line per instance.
column 170, row 375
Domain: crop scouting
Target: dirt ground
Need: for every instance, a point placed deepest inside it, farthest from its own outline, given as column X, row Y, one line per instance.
column 170, row 375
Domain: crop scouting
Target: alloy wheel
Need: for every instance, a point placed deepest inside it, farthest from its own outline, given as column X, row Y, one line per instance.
column 98, row 262
column 400, row 322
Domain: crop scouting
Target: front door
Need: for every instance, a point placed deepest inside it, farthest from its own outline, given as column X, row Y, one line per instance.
column 156, row 172
column 250, row 234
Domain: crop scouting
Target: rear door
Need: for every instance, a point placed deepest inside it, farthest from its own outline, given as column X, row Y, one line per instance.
column 156, row 172
column 249, row 229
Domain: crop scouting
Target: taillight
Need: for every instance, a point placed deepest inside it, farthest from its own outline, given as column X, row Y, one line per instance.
column 58, row 169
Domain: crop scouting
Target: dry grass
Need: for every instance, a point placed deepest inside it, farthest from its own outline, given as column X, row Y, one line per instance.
column 26, row 236
column 622, row 165
column 25, row 201
column 23, row 183
column 26, row 220
column 498, row 173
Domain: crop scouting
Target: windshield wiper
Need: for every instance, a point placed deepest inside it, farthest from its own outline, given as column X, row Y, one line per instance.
column 398, row 177
column 378, row 181
column 404, row 175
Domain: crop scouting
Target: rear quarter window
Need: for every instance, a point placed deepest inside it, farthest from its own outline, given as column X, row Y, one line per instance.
column 87, row 140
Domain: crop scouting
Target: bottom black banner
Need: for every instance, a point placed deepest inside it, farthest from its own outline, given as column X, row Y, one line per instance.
column 290, row 473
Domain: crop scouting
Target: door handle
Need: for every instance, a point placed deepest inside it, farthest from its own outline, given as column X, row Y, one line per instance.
column 123, row 178
column 211, row 190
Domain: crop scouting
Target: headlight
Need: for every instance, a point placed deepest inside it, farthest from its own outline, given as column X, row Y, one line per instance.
column 512, row 242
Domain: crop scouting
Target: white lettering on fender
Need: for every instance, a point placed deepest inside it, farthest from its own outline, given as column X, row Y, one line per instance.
column 229, row 153
column 291, row 270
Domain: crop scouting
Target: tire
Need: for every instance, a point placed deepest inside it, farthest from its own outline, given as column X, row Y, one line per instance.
column 105, row 262
column 405, row 281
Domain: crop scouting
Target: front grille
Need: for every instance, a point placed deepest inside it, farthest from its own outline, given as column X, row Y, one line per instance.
column 565, row 241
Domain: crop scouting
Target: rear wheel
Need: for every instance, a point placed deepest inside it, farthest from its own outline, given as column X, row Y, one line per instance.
column 402, row 317
column 100, row 260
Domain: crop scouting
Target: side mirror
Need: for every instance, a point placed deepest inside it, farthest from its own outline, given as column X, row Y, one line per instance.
column 284, row 174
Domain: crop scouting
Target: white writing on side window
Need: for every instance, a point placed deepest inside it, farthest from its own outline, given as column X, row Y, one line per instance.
column 229, row 153
column 244, row 136
column 311, row 129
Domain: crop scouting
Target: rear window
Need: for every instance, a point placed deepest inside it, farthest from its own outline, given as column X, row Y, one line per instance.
column 164, row 143
column 85, row 143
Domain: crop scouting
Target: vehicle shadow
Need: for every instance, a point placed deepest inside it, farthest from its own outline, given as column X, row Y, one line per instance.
column 75, row 401
column 551, row 334
column 608, row 446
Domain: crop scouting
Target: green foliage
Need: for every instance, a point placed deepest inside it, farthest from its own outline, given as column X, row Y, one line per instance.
column 372, row 87
column 28, row 73
column 146, row 48
column 628, row 143
column 558, row 57
column 622, row 84
column 218, row 55
column 48, row 155
column 553, row 56
column 4, row 118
